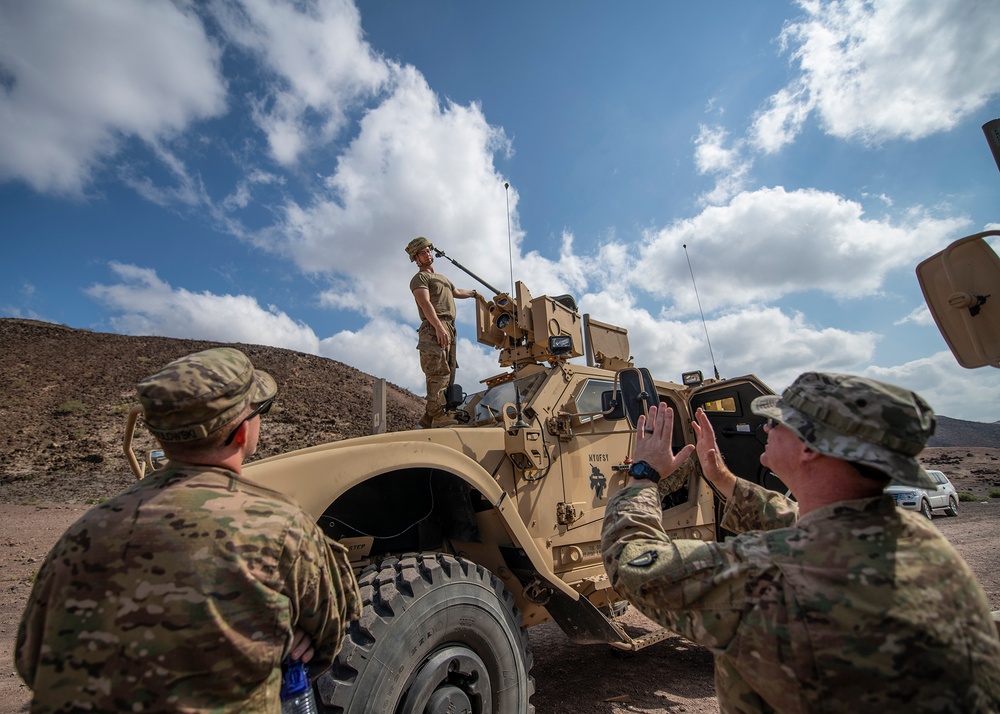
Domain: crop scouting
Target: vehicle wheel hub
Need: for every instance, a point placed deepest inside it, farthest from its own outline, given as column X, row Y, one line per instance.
column 453, row 680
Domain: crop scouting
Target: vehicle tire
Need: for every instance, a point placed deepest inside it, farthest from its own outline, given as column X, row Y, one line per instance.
column 925, row 508
column 438, row 634
column 952, row 509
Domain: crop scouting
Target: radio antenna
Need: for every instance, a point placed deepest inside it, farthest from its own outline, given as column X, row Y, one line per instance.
column 520, row 423
column 703, row 322
column 510, row 249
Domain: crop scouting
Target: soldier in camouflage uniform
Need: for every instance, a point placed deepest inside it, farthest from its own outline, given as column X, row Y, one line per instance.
column 838, row 603
column 435, row 296
column 186, row 591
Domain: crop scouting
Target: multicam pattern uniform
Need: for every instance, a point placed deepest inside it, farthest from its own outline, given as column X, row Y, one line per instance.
column 856, row 607
column 436, row 364
column 181, row 594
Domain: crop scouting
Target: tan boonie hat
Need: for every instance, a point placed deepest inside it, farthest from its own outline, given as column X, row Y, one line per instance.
column 416, row 245
column 195, row 395
column 858, row 420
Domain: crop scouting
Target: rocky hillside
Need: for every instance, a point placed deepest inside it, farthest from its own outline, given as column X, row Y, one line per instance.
column 67, row 392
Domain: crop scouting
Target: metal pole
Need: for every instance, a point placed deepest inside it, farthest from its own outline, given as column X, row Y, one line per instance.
column 378, row 407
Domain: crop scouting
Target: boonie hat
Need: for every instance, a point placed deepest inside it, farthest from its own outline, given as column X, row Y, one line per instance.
column 195, row 395
column 856, row 419
column 416, row 245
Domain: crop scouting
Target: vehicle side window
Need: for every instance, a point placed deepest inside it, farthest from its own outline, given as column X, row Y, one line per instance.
column 726, row 405
column 589, row 399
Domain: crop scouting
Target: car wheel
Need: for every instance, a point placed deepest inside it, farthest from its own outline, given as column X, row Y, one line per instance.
column 925, row 508
column 438, row 634
column 952, row 507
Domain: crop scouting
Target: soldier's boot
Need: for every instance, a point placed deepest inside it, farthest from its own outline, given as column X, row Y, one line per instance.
column 425, row 421
column 445, row 420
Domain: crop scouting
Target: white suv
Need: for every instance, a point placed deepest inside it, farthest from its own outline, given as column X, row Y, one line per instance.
column 941, row 498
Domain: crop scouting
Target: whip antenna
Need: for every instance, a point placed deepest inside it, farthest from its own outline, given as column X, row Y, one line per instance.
column 520, row 423
column 703, row 323
column 510, row 250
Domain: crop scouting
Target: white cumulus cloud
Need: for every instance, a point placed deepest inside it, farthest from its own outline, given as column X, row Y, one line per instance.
column 76, row 79
column 894, row 69
column 147, row 305
column 771, row 242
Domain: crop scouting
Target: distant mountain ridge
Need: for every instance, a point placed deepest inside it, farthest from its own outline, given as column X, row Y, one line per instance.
column 956, row 432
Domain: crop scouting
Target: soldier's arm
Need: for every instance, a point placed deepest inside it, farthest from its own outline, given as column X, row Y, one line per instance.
column 694, row 588
column 423, row 298
column 462, row 293
column 748, row 507
column 755, row 508
column 30, row 632
column 325, row 595
column 712, row 465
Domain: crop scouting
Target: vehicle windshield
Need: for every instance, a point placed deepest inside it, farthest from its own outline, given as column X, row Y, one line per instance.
column 491, row 405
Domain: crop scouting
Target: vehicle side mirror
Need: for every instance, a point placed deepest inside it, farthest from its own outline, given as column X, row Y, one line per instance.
column 961, row 285
column 637, row 393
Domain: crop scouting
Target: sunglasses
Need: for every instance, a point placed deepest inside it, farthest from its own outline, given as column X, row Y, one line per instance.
column 262, row 409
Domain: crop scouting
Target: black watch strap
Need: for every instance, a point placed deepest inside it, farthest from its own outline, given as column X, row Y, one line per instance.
column 642, row 470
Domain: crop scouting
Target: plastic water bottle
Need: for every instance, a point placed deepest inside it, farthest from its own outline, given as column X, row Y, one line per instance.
column 296, row 692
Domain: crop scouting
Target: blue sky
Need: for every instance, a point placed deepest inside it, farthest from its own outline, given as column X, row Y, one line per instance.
column 250, row 171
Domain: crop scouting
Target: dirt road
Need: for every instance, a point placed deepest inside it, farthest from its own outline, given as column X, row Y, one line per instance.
column 672, row 676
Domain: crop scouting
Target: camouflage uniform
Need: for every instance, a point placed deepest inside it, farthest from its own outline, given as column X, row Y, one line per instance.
column 182, row 593
column 437, row 364
column 856, row 607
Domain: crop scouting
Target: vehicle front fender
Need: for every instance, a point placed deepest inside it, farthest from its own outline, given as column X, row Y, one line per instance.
column 318, row 476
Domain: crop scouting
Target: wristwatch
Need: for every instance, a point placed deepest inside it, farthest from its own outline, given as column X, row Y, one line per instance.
column 642, row 470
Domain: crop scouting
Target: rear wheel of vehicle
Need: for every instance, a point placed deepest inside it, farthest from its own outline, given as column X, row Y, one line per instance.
column 952, row 509
column 925, row 508
column 438, row 634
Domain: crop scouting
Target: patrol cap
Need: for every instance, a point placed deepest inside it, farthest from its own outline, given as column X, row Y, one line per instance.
column 195, row 395
column 416, row 245
column 856, row 419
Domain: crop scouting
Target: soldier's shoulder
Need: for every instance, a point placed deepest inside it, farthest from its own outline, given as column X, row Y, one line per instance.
column 420, row 280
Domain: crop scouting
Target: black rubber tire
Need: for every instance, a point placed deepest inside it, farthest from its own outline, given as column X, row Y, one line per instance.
column 925, row 508
column 952, row 509
column 438, row 633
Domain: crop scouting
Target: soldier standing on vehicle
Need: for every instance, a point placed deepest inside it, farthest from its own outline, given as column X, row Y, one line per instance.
column 186, row 591
column 839, row 603
column 435, row 296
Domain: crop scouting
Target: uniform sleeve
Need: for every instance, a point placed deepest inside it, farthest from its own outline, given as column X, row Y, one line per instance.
column 755, row 508
column 324, row 594
column 28, row 649
column 692, row 587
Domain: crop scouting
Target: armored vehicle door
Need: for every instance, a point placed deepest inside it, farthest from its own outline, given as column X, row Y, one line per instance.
column 593, row 452
column 738, row 431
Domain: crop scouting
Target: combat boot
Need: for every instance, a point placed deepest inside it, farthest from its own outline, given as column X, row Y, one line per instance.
column 445, row 420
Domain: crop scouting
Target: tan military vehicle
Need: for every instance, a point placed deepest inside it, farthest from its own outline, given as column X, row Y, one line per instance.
column 463, row 536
